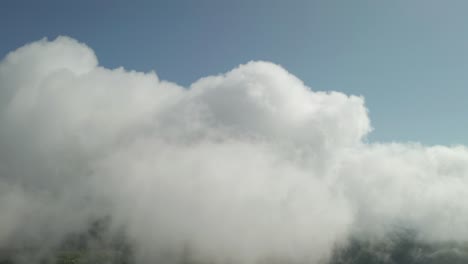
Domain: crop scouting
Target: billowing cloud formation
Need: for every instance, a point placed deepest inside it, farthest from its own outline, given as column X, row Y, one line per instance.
column 240, row 167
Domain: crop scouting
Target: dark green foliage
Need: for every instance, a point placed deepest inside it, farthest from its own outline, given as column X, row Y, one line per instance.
column 69, row 257
column 400, row 247
column 97, row 245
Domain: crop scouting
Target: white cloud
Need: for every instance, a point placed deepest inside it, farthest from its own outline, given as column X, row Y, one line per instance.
column 242, row 166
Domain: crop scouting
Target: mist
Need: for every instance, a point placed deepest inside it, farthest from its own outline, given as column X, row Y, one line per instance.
column 241, row 167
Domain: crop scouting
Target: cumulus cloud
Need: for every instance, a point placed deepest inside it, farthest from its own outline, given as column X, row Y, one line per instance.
column 239, row 167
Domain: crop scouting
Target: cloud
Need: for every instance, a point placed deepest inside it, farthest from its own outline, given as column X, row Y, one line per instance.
column 239, row 167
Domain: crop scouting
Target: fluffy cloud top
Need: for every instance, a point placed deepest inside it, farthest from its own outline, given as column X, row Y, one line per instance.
column 240, row 167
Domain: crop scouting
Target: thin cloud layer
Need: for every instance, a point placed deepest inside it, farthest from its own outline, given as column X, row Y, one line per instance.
column 240, row 167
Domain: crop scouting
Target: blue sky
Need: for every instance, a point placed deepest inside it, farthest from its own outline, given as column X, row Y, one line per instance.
column 409, row 59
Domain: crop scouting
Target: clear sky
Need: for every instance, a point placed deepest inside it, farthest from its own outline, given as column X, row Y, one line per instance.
column 408, row 58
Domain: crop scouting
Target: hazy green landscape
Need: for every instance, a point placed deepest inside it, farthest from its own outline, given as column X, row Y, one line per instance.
column 97, row 246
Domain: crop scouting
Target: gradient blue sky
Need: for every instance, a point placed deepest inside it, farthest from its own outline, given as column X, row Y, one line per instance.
column 408, row 58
